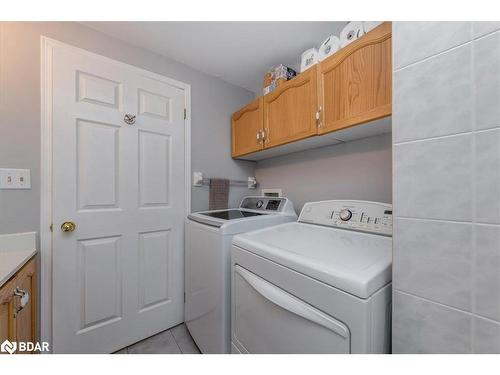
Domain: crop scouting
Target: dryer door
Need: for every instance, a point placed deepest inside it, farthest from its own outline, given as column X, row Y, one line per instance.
column 267, row 319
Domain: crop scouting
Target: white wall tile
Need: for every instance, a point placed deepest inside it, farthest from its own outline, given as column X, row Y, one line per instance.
column 434, row 97
column 433, row 260
column 487, row 271
column 486, row 336
column 420, row 326
column 432, row 178
column 487, row 176
column 487, row 81
column 481, row 28
column 414, row 41
column 453, row 179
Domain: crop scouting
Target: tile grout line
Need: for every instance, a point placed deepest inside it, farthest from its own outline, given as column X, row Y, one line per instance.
column 438, row 54
column 471, row 222
column 175, row 340
column 433, row 138
column 485, row 35
column 147, row 338
column 437, row 137
column 449, row 307
column 474, row 190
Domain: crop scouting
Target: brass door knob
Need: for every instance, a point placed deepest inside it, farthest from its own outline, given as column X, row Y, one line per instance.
column 68, row 226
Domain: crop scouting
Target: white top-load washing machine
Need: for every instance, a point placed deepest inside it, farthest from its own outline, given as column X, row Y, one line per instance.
column 208, row 265
column 318, row 285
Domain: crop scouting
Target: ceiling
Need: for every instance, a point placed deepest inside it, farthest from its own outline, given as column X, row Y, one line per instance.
column 237, row 52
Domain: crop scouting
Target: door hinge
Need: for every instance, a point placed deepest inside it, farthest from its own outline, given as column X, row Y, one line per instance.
column 185, row 113
column 50, row 227
column 184, row 297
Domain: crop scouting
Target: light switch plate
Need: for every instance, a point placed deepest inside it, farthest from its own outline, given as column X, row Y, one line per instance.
column 15, row 178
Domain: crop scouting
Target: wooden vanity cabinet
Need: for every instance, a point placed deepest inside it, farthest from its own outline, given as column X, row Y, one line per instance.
column 19, row 324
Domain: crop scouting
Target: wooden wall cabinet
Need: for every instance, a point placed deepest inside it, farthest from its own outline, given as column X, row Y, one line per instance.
column 247, row 129
column 16, row 323
column 351, row 87
column 355, row 84
column 290, row 110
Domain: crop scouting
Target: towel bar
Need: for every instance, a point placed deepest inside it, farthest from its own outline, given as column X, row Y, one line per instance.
column 199, row 180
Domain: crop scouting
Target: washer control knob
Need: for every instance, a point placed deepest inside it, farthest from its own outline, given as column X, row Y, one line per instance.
column 345, row 214
column 259, row 204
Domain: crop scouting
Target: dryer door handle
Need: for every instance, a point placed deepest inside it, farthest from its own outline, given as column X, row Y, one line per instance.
column 290, row 303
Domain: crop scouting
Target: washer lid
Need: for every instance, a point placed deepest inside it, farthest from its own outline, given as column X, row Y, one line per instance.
column 357, row 263
column 231, row 214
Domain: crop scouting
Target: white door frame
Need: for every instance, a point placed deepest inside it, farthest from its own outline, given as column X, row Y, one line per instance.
column 46, row 47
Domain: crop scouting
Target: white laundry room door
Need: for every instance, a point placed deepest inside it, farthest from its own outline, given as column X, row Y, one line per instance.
column 119, row 201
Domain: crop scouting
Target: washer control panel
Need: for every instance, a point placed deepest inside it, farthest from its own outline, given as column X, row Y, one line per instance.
column 364, row 216
column 273, row 204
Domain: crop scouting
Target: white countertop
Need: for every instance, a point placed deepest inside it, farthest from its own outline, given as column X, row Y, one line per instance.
column 15, row 251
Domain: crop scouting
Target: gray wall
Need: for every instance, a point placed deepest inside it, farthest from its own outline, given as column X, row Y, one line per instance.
column 212, row 100
column 355, row 170
column 446, row 117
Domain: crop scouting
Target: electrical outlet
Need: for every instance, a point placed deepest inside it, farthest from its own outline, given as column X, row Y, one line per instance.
column 23, row 178
column 15, row 178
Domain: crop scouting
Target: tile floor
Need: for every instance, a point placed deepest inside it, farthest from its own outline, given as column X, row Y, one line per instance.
column 175, row 340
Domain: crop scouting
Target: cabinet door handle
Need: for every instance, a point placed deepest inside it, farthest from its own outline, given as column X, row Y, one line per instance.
column 24, row 296
column 261, row 136
column 318, row 117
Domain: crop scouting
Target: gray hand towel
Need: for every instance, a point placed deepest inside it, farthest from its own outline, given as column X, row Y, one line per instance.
column 219, row 194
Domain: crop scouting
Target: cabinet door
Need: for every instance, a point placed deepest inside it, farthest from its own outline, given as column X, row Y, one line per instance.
column 7, row 329
column 4, row 321
column 25, row 316
column 246, row 129
column 7, row 308
column 290, row 110
column 355, row 84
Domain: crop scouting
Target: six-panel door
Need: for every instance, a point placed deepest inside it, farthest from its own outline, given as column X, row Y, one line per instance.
column 118, row 277
column 246, row 129
column 290, row 110
column 355, row 84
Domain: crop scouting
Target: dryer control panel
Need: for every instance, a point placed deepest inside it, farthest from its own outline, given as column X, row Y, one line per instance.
column 364, row 216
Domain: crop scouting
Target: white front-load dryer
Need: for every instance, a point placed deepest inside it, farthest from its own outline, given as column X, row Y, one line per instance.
column 208, row 265
column 318, row 285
